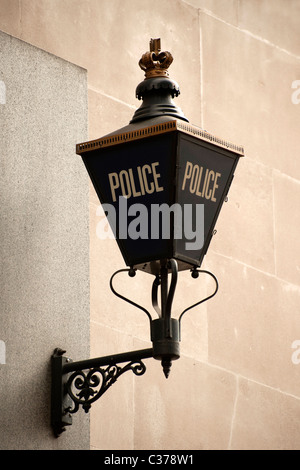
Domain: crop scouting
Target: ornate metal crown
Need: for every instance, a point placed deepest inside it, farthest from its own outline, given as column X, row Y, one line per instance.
column 155, row 63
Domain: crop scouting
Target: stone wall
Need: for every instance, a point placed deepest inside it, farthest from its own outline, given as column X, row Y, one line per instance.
column 44, row 265
column 236, row 385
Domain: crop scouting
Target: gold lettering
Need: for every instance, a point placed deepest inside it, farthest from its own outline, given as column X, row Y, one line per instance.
column 203, row 185
column 134, row 191
column 187, row 173
column 136, row 182
column 208, row 193
column 156, row 176
column 198, row 193
column 193, row 183
column 141, row 180
column 114, row 184
column 124, row 192
column 215, row 186
column 150, row 189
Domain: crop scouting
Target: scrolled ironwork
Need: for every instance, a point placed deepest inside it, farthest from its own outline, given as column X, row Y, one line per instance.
column 84, row 388
column 195, row 273
column 131, row 273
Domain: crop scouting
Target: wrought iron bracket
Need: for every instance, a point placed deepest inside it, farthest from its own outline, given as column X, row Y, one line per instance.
column 81, row 383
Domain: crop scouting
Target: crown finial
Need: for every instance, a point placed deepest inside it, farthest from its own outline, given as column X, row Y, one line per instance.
column 155, row 63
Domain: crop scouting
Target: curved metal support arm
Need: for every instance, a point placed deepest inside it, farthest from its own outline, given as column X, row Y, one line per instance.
column 166, row 308
column 174, row 270
column 81, row 383
column 206, row 298
column 155, row 285
column 131, row 273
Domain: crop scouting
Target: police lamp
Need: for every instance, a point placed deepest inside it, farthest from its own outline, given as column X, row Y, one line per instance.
column 161, row 182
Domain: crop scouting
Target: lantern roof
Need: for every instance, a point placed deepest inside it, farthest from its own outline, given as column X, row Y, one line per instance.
column 153, row 127
column 158, row 113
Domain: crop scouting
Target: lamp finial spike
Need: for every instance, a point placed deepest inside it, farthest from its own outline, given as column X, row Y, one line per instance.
column 155, row 45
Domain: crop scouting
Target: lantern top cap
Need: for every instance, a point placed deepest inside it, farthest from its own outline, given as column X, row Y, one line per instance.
column 154, row 62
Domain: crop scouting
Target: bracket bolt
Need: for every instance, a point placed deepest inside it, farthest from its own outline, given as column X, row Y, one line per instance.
column 131, row 272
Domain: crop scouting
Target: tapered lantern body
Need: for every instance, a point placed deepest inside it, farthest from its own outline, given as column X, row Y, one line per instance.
column 161, row 180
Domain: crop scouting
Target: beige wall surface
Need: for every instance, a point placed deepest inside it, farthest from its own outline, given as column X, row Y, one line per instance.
column 237, row 384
